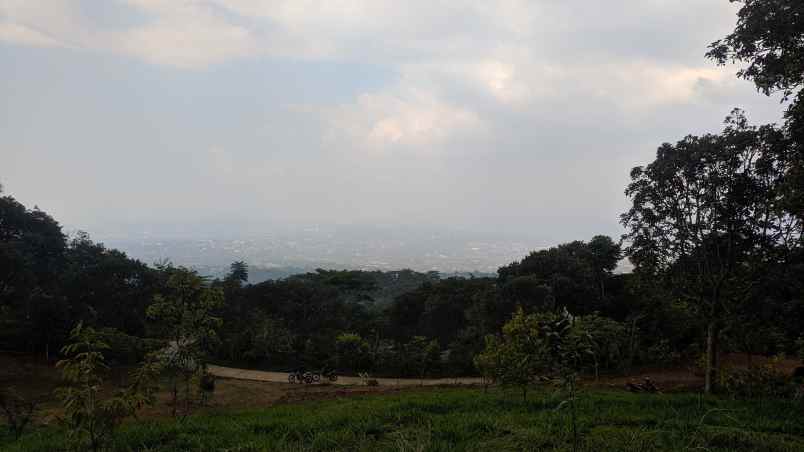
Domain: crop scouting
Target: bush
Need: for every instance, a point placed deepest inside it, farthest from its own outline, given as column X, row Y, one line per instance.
column 353, row 352
column 536, row 348
column 758, row 381
column 609, row 341
column 661, row 353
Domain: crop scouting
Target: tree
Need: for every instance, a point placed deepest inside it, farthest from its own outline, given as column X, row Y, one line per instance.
column 89, row 415
column 423, row 355
column 608, row 340
column 515, row 358
column 707, row 213
column 238, row 273
column 534, row 348
column 32, row 250
column 269, row 339
column 353, row 352
column 604, row 256
column 769, row 37
column 571, row 275
column 105, row 287
column 182, row 315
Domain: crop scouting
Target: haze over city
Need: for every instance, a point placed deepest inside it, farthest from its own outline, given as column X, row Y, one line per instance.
column 135, row 120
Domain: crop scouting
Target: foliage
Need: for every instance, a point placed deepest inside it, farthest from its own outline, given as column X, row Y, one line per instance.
column 758, row 381
column 269, row 340
column 571, row 275
column 238, row 273
column 32, row 251
column 422, row 355
column 462, row 351
column 768, row 36
column 535, row 348
column 662, row 352
column 609, row 341
column 353, row 352
column 707, row 215
column 183, row 317
column 90, row 418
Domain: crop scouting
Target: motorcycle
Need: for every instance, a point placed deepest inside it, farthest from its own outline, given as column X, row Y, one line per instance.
column 329, row 374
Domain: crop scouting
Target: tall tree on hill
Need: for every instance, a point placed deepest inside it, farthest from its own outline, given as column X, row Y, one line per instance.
column 708, row 212
column 238, row 273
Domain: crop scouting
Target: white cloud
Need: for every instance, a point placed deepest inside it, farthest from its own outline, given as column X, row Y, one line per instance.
column 186, row 34
column 645, row 85
column 405, row 119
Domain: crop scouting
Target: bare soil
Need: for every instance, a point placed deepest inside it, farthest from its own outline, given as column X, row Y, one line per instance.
column 243, row 389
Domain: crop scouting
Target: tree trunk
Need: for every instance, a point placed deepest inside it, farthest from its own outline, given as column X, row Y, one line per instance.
column 632, row 344
column 712, row 336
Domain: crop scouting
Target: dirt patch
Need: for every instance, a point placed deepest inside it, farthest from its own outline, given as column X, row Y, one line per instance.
column 667, row 380
column 282, row 377
column 238, row 389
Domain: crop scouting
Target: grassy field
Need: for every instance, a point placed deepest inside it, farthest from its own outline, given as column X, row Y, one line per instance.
column 468, row 419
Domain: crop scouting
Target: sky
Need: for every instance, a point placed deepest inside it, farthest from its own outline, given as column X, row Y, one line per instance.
column 517, row 117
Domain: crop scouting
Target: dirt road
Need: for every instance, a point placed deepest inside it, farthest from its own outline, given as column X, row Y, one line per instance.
column 282, row 377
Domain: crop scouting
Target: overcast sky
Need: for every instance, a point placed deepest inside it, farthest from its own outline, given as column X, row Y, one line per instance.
column 521, row 116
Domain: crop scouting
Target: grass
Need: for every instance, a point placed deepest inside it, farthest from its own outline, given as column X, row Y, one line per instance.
column 468, row 419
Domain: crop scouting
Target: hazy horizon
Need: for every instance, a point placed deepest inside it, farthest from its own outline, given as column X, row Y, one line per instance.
column 520, row 119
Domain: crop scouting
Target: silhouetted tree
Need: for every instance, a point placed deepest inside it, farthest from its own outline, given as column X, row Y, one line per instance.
column 769, row 37
column 705, row 211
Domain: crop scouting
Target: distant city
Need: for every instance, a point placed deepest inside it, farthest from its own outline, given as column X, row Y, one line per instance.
column 279, row 252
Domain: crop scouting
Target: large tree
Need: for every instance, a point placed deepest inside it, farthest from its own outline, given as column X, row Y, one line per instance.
column 32, row 249
column 768, row 40
column 571, row 275
column 708, row 213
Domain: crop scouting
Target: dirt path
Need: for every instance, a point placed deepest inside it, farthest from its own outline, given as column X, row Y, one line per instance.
column 282, row 377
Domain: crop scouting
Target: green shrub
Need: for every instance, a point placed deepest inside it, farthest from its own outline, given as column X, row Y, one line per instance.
column 609, row 341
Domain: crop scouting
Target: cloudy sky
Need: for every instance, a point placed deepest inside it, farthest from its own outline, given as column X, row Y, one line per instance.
column 517, row 116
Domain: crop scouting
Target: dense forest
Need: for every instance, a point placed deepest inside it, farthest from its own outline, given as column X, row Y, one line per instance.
column 382, row 321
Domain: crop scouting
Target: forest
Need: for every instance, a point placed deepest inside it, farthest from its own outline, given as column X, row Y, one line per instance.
column 713, row 231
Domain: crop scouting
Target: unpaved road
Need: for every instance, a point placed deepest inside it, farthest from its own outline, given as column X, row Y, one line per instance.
column 282, row 377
